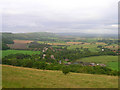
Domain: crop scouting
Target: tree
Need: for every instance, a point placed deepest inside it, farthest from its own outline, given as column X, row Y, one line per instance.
column 4, row 46
column 66, row 70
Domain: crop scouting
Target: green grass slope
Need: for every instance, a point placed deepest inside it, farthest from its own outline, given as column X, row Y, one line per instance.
column 19, row 77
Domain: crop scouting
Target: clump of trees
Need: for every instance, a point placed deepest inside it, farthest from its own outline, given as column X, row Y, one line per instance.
column 38, row 45
column 4, row 46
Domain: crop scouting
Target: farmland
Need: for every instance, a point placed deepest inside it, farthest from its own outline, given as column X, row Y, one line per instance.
column 47, row 60
column 22, row 41
column 19, row 44
column 19, row 77
column 7, row 52
column 92, row 46
column 100, row 59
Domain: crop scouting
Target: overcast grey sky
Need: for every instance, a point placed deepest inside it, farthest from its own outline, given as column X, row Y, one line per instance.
column 85, row 16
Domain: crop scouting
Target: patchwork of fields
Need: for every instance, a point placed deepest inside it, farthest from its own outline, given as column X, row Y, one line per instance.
column 68, row 60
column 93, row 47
column 19, row 77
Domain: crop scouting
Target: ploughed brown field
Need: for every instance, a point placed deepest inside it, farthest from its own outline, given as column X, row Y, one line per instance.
column 101, row 43
column 22, row 41
column 112, row 47
column 19, row 44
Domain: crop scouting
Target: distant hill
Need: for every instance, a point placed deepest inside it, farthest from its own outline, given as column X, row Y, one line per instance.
column 29, row 36
column 89, row 35
column 45, row 36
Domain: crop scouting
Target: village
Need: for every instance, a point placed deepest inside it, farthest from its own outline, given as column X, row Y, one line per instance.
column 67, row 61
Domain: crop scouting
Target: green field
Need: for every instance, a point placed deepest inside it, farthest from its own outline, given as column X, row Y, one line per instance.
column 19, row 77
column 92, row 48
column 110, row 61
column 113, row 65
column 100, row 59
column 42, row 42
column 7, row 52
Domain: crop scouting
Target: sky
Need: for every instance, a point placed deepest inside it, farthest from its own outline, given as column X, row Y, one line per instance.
column 59, row 16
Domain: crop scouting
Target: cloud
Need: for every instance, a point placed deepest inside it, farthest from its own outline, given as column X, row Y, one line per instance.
column 89, row 16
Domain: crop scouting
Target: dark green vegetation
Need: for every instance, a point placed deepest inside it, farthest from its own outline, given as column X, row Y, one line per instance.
column 36, row 61
column 65, row 70
column 6, row 39
column 7, row 52
column 19, row 77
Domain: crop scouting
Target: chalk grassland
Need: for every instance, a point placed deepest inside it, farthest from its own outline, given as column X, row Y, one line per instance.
column 7, row 52
column 19, row 44
column 19, row 77
column 110, row 61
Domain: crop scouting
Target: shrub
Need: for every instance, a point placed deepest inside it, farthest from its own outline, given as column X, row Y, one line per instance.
column 65, row 70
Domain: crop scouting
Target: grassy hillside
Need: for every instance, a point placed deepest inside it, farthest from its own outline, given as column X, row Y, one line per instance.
column 19, row 77
column 7, row 52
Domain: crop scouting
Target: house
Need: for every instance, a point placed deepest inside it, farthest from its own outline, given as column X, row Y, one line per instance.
column 92, row 64
column 60, row 62
column 103, row 65
column 102, row 50
column 44, row 56
column 43, row 50
column 52, row 56
column 69, row 63
column 66, row 59
column 86, row 64
column 98, row 64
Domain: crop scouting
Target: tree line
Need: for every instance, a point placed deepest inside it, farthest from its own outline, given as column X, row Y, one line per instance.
column 25, row 60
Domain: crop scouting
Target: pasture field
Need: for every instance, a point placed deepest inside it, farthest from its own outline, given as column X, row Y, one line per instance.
column 50, row 42
column 7, row 52
column 41, row 42
column 91, row 47
column 110, row 61
column 100, row 59
column 113, row 65
column 20, row 77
